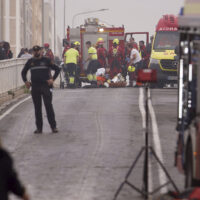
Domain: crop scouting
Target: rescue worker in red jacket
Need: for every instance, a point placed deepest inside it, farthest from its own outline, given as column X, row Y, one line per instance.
column 48, row 52
column 143, row 53
column 101, row 53
column 115, row 58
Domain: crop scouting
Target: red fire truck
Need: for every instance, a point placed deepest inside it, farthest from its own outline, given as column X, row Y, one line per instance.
column 91, row 31
column 188, row 126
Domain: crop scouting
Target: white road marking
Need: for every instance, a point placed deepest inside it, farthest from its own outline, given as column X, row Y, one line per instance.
column 13, row 107
column 157, row 145
column 142, row 108
column 143, row 113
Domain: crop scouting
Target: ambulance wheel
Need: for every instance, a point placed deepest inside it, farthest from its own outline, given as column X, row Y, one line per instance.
column 189, row 181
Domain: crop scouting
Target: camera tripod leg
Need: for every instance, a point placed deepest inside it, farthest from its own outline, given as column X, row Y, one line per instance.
column 134, row 163
column 164, row 169
column 128, row 174
column 146, row 172
column 119, row 190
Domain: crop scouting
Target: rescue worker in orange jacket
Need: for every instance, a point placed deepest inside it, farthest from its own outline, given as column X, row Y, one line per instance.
column 48, row 52
column 115, row 58
column 101, row 53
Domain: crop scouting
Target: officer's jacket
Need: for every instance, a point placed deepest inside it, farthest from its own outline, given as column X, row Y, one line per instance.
column 40, row 69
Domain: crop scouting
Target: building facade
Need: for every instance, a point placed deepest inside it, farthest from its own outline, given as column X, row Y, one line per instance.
column 48, row 23
column 37, row 18
column 21, row 23
column 28, row 32
column 12, row 23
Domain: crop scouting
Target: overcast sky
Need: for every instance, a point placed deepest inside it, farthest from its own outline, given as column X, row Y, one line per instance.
column 135, row 15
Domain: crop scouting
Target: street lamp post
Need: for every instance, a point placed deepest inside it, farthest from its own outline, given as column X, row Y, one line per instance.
column 54, row 27
column 64, row 21
column 88, row 12
column 42, row 22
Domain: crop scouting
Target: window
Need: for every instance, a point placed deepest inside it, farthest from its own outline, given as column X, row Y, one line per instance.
column 166, row 40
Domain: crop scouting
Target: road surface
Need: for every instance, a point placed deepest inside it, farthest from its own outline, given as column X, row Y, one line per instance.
column 100, row 133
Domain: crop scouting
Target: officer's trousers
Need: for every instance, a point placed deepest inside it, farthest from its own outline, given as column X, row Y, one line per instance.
column 38, row 93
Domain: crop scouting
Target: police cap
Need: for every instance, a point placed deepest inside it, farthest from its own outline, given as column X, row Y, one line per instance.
column 36, row 48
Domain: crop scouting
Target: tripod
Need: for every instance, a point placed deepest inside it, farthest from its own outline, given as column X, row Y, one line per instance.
column 146, row 150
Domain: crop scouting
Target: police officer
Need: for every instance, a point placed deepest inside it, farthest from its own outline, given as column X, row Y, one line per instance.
column 41, row 83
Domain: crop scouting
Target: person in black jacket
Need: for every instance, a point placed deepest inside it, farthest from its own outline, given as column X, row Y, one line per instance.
column 2, row 51
column 9, row 181
column 9, row 53
column 41, row 83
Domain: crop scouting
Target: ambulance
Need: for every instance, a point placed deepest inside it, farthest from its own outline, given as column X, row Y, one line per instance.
column 163, row 51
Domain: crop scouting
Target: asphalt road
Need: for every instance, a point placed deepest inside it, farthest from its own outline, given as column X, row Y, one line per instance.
column 100, row 133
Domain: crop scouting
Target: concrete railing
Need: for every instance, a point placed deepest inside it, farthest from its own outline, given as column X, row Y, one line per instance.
column 10, row 74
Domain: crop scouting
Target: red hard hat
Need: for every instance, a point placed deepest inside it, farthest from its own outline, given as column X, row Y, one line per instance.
column 46, row 45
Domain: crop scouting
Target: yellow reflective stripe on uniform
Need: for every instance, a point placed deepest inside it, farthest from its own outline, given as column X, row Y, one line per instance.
column 94, row 77
column 90, row 77
column 71, row 80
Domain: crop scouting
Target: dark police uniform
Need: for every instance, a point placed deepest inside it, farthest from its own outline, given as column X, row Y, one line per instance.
column 41, row 72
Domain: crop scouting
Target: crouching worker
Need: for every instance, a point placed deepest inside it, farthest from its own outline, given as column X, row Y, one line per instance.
column 93, row 64
column 134, row 64
column 71, row 60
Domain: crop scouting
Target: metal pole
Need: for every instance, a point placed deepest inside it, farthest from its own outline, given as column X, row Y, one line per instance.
column 146, row 166
column 25, row 22
column 1, row 20
column 88, row 12
column 64, row 21
column 42, row 22
column 54, row 27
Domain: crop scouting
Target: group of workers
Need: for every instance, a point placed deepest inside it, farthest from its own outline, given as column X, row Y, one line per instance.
column 118, row 59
